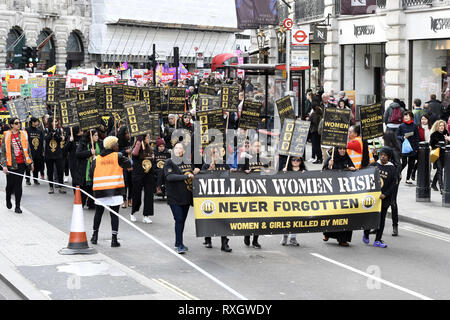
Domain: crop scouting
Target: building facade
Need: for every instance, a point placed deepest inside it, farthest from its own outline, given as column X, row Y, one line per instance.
column 402, row 50
column 27, row 23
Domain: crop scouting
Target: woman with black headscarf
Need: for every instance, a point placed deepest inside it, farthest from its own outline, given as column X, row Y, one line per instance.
column 126, row 147
column 339, row 161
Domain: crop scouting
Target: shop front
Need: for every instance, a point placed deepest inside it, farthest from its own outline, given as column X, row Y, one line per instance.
column 363, row 56
column 428, row 35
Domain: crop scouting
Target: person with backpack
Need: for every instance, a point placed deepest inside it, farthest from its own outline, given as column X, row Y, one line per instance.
column 393, row 117
column 417, row 111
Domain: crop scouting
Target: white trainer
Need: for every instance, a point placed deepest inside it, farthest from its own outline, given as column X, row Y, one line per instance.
column 146, row 220
column 133, row 218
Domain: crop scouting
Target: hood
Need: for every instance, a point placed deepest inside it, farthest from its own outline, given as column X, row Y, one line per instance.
column 394, row 105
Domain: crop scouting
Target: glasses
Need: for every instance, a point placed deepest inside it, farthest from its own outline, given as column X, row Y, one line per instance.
column 16, row 122
column 295, row 160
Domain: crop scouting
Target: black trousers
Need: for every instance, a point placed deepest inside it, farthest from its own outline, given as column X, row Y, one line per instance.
column 160, row 177
column 180, row 214
column 38, row 167
column 380, row 230
column 147, row 183
column 127, row 176
column 14, row 184
column 85, row 199
column 315, row 141
column 114, row 219
column 59, row 163
column 394, row 206
column 255, row 238
column 410, row 161
column 438, row 177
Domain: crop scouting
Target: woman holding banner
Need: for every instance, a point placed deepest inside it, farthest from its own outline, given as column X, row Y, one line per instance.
column 125, row 147
column 54, row 157
column 340, row 161
column 89, row 147
column 143, row 176
column 296, row 164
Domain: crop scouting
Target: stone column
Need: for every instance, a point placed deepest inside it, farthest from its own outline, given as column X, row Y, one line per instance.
column 61, row 56
column 396, row 60
column 332, row 51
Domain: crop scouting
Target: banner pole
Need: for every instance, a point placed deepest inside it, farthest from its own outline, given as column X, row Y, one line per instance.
column 54, row 117
column 228, row 120
column 287, row 162
column 332, row 157
column 92, row 139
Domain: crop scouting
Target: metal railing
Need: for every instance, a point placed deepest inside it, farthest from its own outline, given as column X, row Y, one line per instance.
column 306, row 10
column 416, row 3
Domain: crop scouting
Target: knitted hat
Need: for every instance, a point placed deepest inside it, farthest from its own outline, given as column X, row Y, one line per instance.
column 160, row 141
column 387, row 151
column 110, row 142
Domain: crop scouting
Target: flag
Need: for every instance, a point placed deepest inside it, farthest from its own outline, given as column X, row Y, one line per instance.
column 124, row 66
column 52, row 69
column 7, row 77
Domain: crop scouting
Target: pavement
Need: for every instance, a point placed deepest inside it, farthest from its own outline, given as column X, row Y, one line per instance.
column 415, row 265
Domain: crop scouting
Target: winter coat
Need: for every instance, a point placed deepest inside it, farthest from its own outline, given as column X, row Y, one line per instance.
column 413, row 140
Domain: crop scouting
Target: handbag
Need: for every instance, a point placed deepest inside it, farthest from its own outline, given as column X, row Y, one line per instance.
column 406, row 147
column 434, row 155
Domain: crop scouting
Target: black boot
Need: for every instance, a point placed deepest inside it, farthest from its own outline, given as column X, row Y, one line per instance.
column 208, row 243
column 8, row 202
column 255, row 243
column 394, row 231
column 94, row 237
column 225, row 246
column 114, row 242
column 247, row 240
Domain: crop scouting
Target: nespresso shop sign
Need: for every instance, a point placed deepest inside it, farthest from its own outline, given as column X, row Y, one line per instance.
column 364, row 30
column 428, row 25
column 440, row 24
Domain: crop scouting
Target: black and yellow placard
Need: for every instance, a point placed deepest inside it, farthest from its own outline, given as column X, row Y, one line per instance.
column 239, row 204
column 17, row 108
column 371, row 121
column 88, row 114
column 154, row 120
column 211, row 119
column 131, row 94
column 286, row 137
column 56, row 90
column 208, row 90
column 250, row 115
column 138, row 118
column 71, row 93
column 177, row 100
column 209, row 102
column 152, row 96
column 285, row 109
column 113, row 98
column 86, row 94
column 37, row 107
column 299, row 138
column 68, row 113
column 335, row 127
column 229, row 98
column 100, row 97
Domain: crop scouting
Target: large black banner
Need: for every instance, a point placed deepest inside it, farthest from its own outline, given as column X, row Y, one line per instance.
column 252, row 14
column 177, row 100
column 335, row 127
column 230, row 98
column 237, row 204
column 357, row 7
column 371, row 121
column 251, row 112
column 88, row 114
column 138, row 118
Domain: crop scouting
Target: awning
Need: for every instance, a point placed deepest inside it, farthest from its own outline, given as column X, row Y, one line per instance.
column 117, row 43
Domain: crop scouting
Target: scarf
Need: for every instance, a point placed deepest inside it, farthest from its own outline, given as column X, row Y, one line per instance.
column 408, row 122
column 89, row 161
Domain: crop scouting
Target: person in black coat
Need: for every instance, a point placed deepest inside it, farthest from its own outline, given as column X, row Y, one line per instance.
column 340, row 161
column 143, row 176
column 84, row 154
column 36, row 145
column 54, row 153
column 179, row 177
column 409, row 130
column 71, row 148
column 161, row 155
column 439, row 134
column 125, row 147
column 388, row 174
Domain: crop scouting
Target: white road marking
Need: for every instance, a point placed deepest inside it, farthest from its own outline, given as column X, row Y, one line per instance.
column 388, row 283
column 175, row 289
column 426, row 233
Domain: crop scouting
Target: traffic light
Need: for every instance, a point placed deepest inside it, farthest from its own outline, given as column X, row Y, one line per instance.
column 176, row 57
column 34, row 55
column 26, row 55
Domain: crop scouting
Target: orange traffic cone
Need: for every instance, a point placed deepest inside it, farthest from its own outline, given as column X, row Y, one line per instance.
column 77, row 241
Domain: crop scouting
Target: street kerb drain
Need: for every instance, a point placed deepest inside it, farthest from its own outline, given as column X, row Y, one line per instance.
column 77, row 241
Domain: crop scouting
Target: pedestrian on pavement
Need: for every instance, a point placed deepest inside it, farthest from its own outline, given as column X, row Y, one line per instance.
column 125, row 147
column 36, row 143
column 408, row 130
column 393, row 116
column 391, row 141
column 388, row 174
column 315, row 118
column 340, row 161
column 15, row 157
column 435, row 109
column 424, row 135
column 85, row 155
column 108, row 185
column 417, row 111
column 214, row 163
column 143, row 176
column 54, row 154
column 179, row 177
column 439, row 134
column 296, row 164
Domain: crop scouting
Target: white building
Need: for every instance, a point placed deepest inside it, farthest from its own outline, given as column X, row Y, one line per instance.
column 401, row 51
